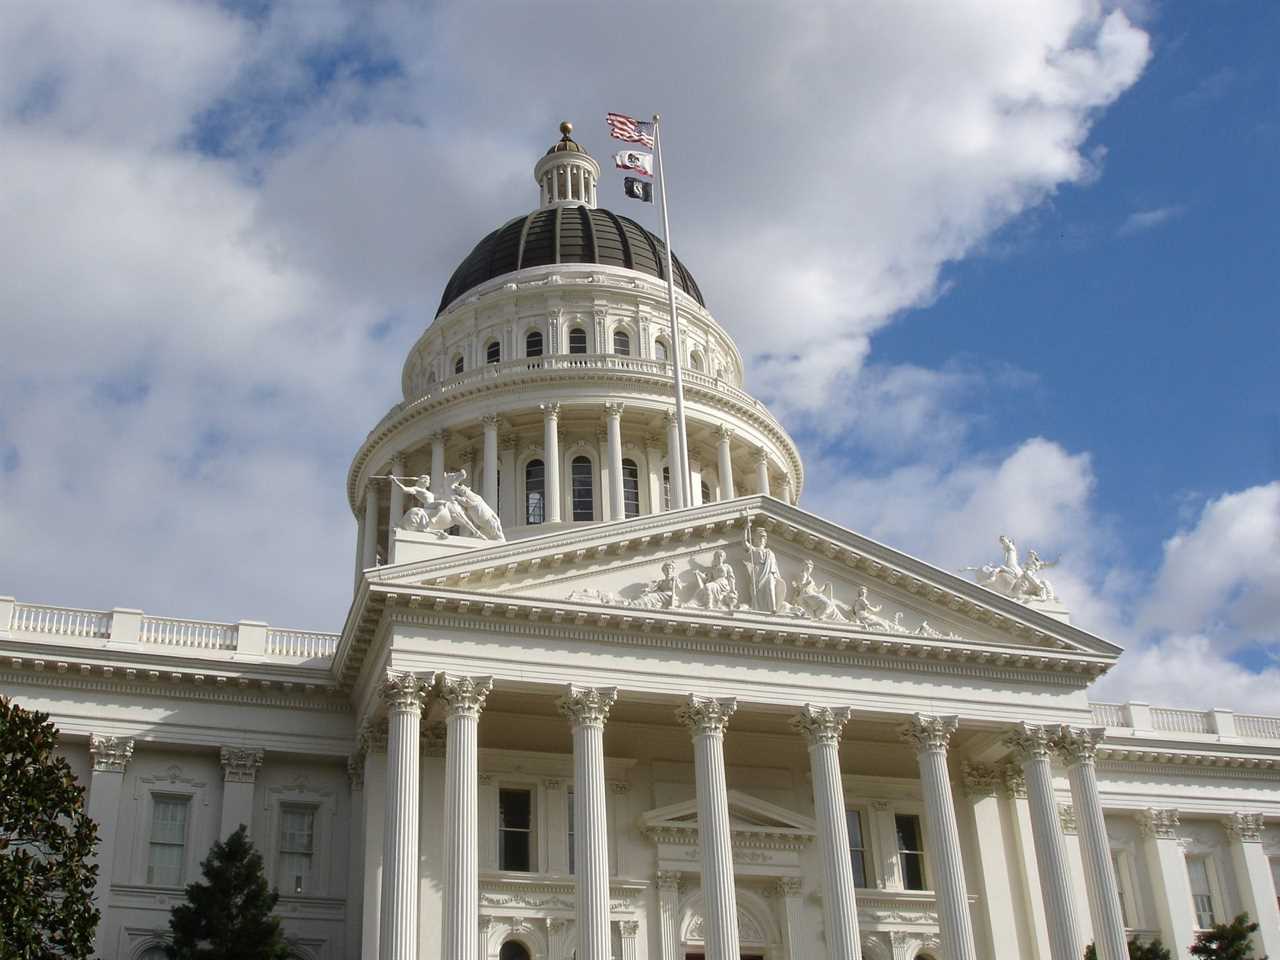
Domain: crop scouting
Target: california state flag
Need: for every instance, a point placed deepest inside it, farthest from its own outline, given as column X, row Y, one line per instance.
column 634, row 160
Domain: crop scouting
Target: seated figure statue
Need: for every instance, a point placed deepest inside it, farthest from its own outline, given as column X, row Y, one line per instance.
column 814, row 601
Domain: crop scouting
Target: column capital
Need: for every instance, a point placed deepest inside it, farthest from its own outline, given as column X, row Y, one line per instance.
column 926, row 732
column 1030, row 741
column 980, row 779
column 465, row 696
column 788, row 886
column 1076, row 745
column 491, row 421
column 629, row 928
column 613, row 409
column 1244, row 827
column 373, row 736
column 110, row 754
column 669, row 418
column 724, row 432
column 1159, row 823
column 669, row 881
column 821, row 724
column 761, row 456
column 653, row 442
column 440, row 436
column 240, row 764
column 355, row 770
column 507, row 441
column 707, row 715
column 1015, row 783
column 406, row 691
column 587, row 705
column 551, row 411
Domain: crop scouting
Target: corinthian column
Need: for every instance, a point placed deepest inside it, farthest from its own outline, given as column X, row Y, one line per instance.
column 762, row 472
column 613, row 430
column 706, row 719
column 465, row 698
column 724, row 461
column 822, row 728
column 489, row 486
column 1078, row 748
column 675, row 484
column 551, row 461
column 588, row 709
column 1032, row 746
column 404, row 693
column 930, row 736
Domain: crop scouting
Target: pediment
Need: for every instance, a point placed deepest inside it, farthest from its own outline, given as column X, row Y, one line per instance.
column 750, row 818
column 694, row 566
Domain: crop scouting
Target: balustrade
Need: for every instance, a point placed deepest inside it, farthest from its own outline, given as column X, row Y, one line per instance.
column 60, row 621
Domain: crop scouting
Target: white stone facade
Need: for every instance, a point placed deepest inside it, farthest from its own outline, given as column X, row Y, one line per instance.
column 656, row 737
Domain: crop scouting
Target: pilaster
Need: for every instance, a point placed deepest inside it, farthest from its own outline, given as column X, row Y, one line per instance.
column 110, row 757
column 982, row 783
column 1167, row 868
column 239, row 775
column 1253, row 879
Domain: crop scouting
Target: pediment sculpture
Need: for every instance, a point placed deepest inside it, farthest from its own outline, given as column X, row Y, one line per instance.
column 464, row 509
column 1019, row 581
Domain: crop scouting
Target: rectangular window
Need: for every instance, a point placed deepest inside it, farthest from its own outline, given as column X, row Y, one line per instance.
column 570, row 822
column 857, row 848
column 515, row 830
column 1122, row 887
column 910, row 851
column 297, row 848
column 168, row 840
column 630, row 488
column 1201, row 892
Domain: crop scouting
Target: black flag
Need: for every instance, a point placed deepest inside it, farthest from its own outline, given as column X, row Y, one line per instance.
column 637, row 189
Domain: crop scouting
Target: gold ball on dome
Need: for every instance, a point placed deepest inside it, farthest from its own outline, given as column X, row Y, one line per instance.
column 566, row 127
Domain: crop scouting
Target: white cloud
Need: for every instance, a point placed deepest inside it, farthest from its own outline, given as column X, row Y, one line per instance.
column 1142, row 220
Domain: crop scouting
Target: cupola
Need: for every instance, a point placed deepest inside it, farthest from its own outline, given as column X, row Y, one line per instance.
column 566, row 174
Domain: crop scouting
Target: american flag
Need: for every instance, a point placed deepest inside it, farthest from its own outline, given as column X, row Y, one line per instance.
column 630, row 129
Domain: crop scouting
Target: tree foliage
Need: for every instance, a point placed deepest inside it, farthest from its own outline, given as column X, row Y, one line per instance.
column 1227, row 941
column 228, row 915
column 1155, row 950
column 46, row 841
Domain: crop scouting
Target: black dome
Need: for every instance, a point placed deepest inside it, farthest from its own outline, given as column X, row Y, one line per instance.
column 566, row 234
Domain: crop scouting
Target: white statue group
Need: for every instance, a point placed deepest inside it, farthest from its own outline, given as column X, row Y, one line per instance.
column 1021, row 581
column 464, row 509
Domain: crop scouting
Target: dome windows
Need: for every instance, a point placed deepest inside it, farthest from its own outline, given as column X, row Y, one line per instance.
column 577, row 340
column 696, row 362
column 630, row 488
column 622, row 343
column 535, row 488
column 533, row 344
column 458, row 364
column 493, row 352
column 660, row 350
column 580, row 471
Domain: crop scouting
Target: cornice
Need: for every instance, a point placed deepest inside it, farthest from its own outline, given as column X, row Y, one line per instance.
column 1123, row 759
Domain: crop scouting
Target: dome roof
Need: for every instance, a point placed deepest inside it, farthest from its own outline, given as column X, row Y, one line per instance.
column 566, row 234
column 566, row 144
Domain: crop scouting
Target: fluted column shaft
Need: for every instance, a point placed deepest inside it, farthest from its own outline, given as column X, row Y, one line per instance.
column 668, row 920
column 369, row 547
column 587, row 709
column 822, row 728
column 1078, row 748
column 405, row 694
column 675, row 485
column 930, row 735
column 724, row 462
column 762, row 473
column 706, row 719
column 613, row 429
column 551, row 461
column 437, row 463
column 1032, row 746
column 490, row 479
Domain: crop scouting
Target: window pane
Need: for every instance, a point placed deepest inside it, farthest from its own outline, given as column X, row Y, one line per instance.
column 534, row 485
column 913, row 871
column 1201, row 894
column 493, row 352
column 577, row 340
column 457, row 364
column 706, row 493
column 583, row 505
column 533, row 344
column 169, row 820
column 630, row 488
column 859, row 869
column 660, row 350
column 666, row 488
column 514, row 850
column 621, row 343
column 514, row 807
column 910, row 851
column 1121, row 889
column 570, row 815
column 165, row 869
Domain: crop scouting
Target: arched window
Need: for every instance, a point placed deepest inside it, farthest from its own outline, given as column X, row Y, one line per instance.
column 493, row 352
column 577, row 340
column 457, row 364
column 660, row 350
column 584, row 507
column 431, row 378
column 630, row 489
column 512, row 950
column 533, row 344
column 706, row 492
column 666, row 488
column 534, row 492
column 621, row 343
column 695, row 361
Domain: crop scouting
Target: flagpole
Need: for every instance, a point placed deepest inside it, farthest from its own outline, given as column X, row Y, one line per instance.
column 682, row 468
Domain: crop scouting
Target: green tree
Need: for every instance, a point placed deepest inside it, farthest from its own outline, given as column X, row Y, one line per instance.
column 228, row 916
column 1227, row 941
column 46, row 841
column 1155, row 950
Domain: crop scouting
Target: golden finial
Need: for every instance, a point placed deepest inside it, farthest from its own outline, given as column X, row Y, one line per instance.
column 566, row 128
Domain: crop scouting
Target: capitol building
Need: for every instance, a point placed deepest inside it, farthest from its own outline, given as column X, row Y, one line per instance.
column 581, row 709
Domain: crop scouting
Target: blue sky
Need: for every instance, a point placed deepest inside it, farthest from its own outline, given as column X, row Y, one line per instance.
column 1000, row 266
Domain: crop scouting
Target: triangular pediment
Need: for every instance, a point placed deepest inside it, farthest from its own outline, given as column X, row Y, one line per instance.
column 694, row 567
column 748, row 815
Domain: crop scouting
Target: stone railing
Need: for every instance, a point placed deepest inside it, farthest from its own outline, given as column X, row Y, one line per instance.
column 1143, row 717
column 121, row 628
